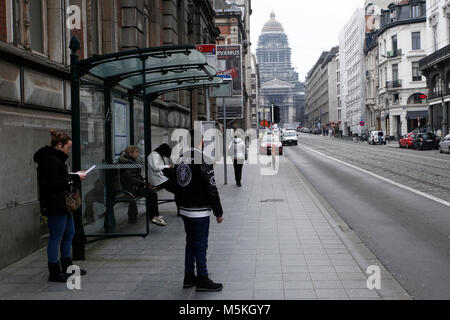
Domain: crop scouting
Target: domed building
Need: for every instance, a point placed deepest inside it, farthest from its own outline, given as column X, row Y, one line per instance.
column 279, row 81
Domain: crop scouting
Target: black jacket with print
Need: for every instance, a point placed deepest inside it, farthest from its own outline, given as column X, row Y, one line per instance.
column 196, row 185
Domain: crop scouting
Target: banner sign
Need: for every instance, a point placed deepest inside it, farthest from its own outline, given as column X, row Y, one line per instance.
column 229, row 62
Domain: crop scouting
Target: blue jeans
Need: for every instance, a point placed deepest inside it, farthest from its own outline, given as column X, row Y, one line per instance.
column 197, row 232
column 61, row 230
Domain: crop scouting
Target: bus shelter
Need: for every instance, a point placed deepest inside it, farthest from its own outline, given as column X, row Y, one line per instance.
column 106, row 93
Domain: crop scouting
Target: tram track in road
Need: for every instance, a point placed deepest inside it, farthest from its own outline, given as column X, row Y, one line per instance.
column 430, row 178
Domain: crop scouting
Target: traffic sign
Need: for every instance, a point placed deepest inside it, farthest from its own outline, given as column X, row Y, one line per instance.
column 362, row 123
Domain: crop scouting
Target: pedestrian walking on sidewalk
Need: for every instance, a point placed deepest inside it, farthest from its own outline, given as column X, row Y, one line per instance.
column 239, row 159
column 132, row 181
column 53, row 180
column 197, row 196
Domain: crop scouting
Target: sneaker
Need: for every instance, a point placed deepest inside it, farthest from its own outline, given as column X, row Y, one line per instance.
column 204, row 283
column 159, row 222
column 190, row 280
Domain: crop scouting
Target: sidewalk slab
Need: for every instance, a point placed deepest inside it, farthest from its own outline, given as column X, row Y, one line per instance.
column 278, row 241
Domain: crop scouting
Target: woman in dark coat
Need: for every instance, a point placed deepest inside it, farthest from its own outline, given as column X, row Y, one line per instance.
column 132, row 181
column 54, row 179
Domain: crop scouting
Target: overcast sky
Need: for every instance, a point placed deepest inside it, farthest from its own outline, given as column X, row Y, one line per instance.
column 311, row 26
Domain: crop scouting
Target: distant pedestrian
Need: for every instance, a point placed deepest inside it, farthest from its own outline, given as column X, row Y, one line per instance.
column 54, row 181
column 239, row 159
column 197, row 195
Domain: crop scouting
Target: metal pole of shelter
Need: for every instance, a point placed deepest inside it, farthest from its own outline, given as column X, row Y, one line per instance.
column 147, row 140
column 110, row 220
column 225, row 141
column 79, row 237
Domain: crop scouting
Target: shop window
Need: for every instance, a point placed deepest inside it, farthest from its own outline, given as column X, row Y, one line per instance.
column 417, row 98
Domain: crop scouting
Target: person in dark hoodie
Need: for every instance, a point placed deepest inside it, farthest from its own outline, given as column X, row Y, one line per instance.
column 197, row 196
column 53, row 180
column 132, row 181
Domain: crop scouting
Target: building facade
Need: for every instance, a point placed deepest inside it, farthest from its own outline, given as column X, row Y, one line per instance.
column 233, row 21
column 402, row 88
column 279, row 81
column 436, row 66
column 352, row 71
column 321, row 92
column 35, row 90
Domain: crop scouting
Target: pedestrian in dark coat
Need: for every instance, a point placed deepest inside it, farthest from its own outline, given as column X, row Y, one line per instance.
column 53, row 180
column 132, row 181
column 197, row 196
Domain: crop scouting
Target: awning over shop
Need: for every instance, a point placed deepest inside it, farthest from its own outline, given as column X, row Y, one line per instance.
column 423, row 114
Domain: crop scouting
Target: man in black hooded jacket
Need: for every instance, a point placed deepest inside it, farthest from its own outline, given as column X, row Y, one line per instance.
column 197, row 196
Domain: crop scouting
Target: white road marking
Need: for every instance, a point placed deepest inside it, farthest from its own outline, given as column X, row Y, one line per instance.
column 445, row 203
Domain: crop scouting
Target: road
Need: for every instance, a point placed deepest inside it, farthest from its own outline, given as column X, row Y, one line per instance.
column 408, row 232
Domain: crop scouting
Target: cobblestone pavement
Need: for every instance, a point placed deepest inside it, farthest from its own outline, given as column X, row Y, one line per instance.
column 426, row 171
column 277, row 242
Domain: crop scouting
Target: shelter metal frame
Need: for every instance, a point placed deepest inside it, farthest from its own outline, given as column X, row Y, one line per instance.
column 180, row 67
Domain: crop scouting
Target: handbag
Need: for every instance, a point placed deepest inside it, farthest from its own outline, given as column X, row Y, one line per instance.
column 73, row 199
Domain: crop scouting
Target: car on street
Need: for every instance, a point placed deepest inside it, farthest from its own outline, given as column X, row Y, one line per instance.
column 444, row 145
column 271, row 144
column 289, row 138
column 407, row 140
column 376, row 137
column 424, row 141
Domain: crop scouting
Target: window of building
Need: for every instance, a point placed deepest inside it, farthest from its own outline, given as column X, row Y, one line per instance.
column 395, row 72
column 416, row 73
column 37, row 26
column 448, row 27
column 416, row 99
column 396, row 98
column 94, row 34
column 435, row 44
column 415, row 11
column 416, row 40
column 394, row 44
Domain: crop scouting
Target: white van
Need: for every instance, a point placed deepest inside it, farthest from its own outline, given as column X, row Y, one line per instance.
column 289, row 137
column 377, row 137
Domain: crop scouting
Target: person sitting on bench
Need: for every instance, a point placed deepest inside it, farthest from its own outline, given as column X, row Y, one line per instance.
column 132, row 181
column 160, row 169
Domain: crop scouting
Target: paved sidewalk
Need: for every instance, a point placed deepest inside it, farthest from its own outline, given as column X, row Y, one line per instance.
column 277, row 242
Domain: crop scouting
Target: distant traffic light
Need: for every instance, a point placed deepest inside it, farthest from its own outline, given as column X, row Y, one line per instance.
column 276, row 114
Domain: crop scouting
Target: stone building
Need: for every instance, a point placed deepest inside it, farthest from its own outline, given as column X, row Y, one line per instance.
column 436, row 66
column 402, row 88
column 321, row 92
column 233, row 21
column 35, row 89
column 279, row 81
column 352, row 72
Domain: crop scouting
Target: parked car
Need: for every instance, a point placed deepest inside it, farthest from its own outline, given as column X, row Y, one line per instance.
column 407, row 140
column 271, row 144
column 289, row 137
column 424, row 141
column 376, row 137
column 444, row 145
column 316, row 131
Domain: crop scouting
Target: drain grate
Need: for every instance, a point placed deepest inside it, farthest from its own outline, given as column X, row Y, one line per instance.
column 273, row 200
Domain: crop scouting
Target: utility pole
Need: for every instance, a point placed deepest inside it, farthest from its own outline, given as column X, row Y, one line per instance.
column 225, row 141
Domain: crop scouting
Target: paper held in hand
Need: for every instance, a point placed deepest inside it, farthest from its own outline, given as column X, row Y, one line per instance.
column 87, row 172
